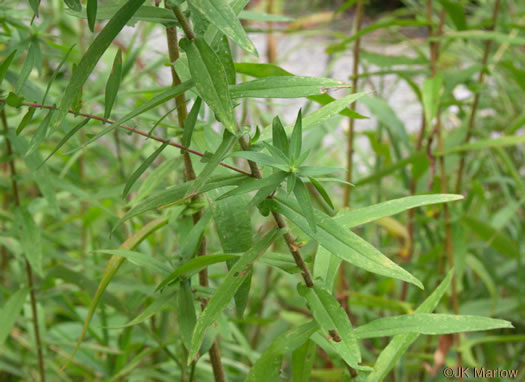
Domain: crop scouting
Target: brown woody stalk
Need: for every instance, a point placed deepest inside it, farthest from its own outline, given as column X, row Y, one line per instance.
column 449, row 250
column 182, row 114
column 358, row 21
column 29, row 271
column 481, row 80
column 342, row 286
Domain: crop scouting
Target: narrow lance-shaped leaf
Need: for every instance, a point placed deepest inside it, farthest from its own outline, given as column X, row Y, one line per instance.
column 279, row 137
column 28, row 117
column 29, row 236
column 5, row 65
column 113, row 84
column 93, row 54
column 400, row 343
column 341, row 242
column 283, row 87
column 190, row 122
column 29, row 63
column 297, row 138
column 303, row 198
column 334, row 322
column 268, row 365
column 226, row 290
column 223, row 17
column 319, row 187
column 55, row 73
column 234, row 227
column 143, row 167
column 427, row 323
column 66, row 137
column 273, row 181
column 40, row 134
column 431, row 94
column 186, row 312
column 152, row 103
column 9, row 312
column 368, row 214
column 91, row 11
column 111, row 269
column 224, row 148
column 193, row 266
column 210, row 80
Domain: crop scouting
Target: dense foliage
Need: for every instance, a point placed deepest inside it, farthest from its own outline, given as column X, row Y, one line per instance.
column 167, row 216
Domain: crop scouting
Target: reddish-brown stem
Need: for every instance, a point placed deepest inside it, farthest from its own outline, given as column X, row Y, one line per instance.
column 136, row 131
column 182, row 114
column 475, row 104
column 29, row 272
column 358, row 21
column 435, row 52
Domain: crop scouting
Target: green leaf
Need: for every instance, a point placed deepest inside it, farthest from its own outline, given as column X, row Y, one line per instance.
column 279, row 137
column 225, row 55
column 194, row 237
column 193, row 266
column 456, row 11
column 368, row 214
column 176, row 194
column 228, row 141
column 152, row 103
column 66, row 137
column 261, row 158
column 268, row 365
column 341, row 242
column 93, row 54
column 55, row 73
column 226, row 290
column 283, row 87
column 5, row 65
column 334, row 322
column 74, row 5
column 302, row 362
column 303, row 198
column 223, row 17
column 319, row 187
column 28, row 117
column 164, row 302
column 297, row 138
column 91, row 11
column 113, row 84
column 495, row 238
column 139, row 259
column 186, row 312
column 111, row 269
column 35, row 4
column 29, row 237
column 210, row 80
column 272, row 181
column 400, row 343
column 234, row 228
column 487, row 144
column 263, row 17
column 431, row 95
column 427, row 323
column 9, row 312
column 41, row 133
column 190, row 122
column 28, row 66
column 143, row 167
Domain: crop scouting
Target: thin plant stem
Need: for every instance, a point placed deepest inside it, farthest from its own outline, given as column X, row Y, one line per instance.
column 449, row 250
column 136, row 131
column 182, row 114
column 29, row 271
column 358, row 21
column 475, row 104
